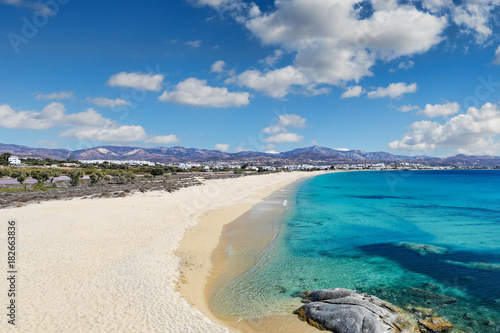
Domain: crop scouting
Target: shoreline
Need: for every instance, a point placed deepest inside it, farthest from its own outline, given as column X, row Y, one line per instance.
column 204, row 258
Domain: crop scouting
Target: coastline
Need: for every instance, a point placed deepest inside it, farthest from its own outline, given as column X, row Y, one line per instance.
column 204, row 257
column 109, row 264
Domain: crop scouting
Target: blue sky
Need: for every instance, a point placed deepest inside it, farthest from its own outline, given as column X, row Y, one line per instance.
column 409, row 77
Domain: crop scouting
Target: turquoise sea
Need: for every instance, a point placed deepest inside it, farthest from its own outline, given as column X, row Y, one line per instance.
column 414, row 238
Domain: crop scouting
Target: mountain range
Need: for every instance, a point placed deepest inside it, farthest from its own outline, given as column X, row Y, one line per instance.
column 314, row 155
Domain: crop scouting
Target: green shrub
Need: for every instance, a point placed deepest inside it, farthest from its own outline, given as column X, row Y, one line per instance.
column 40, row 175
column 157, row 172
column 88, row 172
column 75, row 175
column 20, row 175
column 4, row 172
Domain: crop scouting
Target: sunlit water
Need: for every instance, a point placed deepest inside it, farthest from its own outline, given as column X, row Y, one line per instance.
column 355, row 230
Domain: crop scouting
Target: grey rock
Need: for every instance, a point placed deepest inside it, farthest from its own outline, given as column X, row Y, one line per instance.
column 347, row 311
column 323, row 294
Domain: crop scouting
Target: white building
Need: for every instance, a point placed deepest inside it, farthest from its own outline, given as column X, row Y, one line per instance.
column 14, row 160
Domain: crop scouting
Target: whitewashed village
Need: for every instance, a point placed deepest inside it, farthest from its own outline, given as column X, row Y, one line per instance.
column 211, row 166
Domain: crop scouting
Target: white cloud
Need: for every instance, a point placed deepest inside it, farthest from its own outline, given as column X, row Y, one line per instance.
column 271, row 152
column 408, row 108
column 474, row 16
column 221, row 147
column 163, row 139
column 278, row 133
column 195, row 92
column 22, row 119
column 118, row 134
column 496, row 61
column 36, row 6
column 342, row 149
column 273, row 130
column 333, row 45
column 473, row 132
column 486, row 146
column 276, row 83
column 218, row 67
column 90, row 117
column 283, row 122
column 406, row 65
column 394, row 90
column 234, row 6
column 194, row 43
column 212, row 3
column 284, row 138
column 56, row 95
column 291, row 120
column 50, row 116
column 108, row 102
column 440, row 110
column 272, row 59
column 137, row 80
column 353, row 91
column 85, row 125
column 334, row 42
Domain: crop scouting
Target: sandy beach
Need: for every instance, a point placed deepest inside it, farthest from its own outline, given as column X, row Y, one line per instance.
column 110, row 265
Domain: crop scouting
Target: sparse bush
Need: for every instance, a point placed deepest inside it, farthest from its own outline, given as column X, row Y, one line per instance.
column 94, row 178
column 97, row 177
column 4, row 159
column 157, row 172
column 53, row 174
column 148, row 176
column 20, row 175
column 88, row 172
column 75, row 175
column 40, row 175
column 4, row 172
column 122, row 177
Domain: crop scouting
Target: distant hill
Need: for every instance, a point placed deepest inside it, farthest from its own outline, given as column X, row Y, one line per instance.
column 314, row 154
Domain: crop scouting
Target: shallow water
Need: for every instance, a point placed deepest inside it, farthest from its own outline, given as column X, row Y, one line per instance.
column 358, row 230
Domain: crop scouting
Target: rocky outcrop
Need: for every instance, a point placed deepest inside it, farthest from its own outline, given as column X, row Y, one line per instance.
column 422, row 249
column 435, row 325
column 343, row 310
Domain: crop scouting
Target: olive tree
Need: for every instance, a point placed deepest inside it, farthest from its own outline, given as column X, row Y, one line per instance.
column 75, row 175
column 53, row 174
column 40, row 175
column 20, row 175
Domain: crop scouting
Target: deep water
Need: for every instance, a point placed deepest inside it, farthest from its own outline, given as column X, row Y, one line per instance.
column 367, row 231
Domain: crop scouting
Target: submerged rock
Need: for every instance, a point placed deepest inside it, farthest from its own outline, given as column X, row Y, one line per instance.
column 487, row 266
column 430, row 295
column 422, row 249
column 435, row 325
column 426, row 312
column 343, row 310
